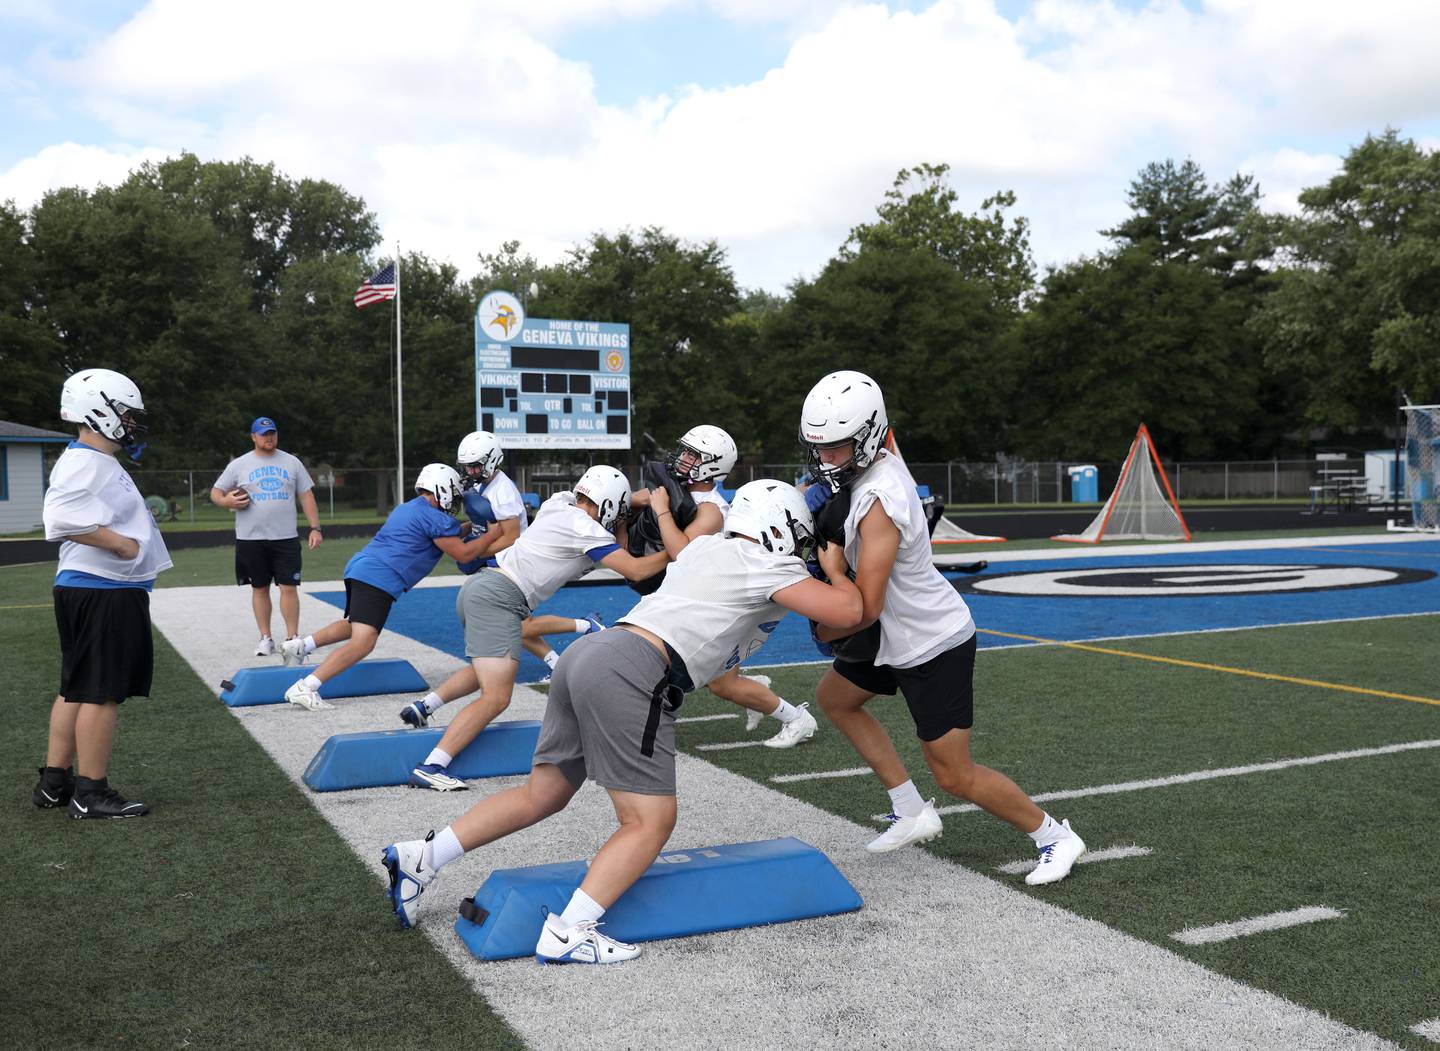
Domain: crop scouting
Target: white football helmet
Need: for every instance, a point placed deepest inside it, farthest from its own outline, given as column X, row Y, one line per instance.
column 443, row 482
column 607, row 489
column 844, row 406
column 712, row 452
column 109, row 404
column 774, row 513
column 478, row 449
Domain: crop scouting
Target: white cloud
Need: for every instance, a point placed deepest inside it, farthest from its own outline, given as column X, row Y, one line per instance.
column 463, row 128
column 70, row 164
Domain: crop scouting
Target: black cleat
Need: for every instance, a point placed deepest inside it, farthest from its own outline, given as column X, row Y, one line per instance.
column 54, row 789
column 96, row 799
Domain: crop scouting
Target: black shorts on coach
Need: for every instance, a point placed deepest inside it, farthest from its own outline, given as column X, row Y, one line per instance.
column 106, row 653
column 367, row 604
column 939, row 693
column 258, row 562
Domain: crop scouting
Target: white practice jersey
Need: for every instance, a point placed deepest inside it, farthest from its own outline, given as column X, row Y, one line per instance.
column 713, row 496
column 714, row 607
column 505, row 501
column 922, row 609
column 561, row 545
column 90, row 489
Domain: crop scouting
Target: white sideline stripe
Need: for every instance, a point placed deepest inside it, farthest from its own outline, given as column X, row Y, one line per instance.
column 726, row 746
column 1202, row 775
column 1014, row 868
column 705, row 718
column 1429, row 1029
column 853, row 771
column 1274, row 921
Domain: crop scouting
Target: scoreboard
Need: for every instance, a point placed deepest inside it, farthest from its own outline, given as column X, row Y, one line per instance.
column 546, row 384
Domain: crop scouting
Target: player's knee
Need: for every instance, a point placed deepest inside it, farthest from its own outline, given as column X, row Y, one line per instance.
column 957, row 780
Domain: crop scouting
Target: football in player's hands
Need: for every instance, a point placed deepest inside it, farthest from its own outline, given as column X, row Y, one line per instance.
column 241, row 498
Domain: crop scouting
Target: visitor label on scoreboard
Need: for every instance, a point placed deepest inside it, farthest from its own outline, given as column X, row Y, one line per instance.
column 542, row 383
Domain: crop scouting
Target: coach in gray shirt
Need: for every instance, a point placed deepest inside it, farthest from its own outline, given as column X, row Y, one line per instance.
column 261, row 487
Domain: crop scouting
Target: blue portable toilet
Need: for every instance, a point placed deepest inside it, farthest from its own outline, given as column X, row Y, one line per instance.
column 1084, row 483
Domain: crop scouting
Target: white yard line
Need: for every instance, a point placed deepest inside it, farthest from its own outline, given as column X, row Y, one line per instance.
column 1429, row 1029
column 1274, row 921
column 821, row 775
column 706, row 718
column 1203, row 775
column 922, row 915
column 727, row 746
column 1016, row 868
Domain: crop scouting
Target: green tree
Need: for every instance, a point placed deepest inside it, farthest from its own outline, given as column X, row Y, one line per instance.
column 919, row 213
column 29, row 351
column 1357, row 312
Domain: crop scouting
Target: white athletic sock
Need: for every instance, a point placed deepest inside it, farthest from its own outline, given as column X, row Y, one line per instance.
column 787, row 712
column 1049, row 831
column 905, row 800
column 309, row 641
column 582, row 907
column 314, row 683
column 582, row 626
column 551, row 659
column 445, row 847
column 437, row 758
column 432, row 702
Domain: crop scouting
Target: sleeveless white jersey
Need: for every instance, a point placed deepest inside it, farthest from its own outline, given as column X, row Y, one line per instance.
column 505, row 500
column 922, row 609
column 714, row 606
column 713, row 496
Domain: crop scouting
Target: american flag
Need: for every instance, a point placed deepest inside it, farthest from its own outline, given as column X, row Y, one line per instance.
column 379, row 287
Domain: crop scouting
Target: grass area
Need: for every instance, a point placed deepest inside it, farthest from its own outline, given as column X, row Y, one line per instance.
column 234, row 916
column 1343, row 834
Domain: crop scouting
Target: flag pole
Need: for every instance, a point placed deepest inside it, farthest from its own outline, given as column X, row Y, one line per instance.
column 399, row 392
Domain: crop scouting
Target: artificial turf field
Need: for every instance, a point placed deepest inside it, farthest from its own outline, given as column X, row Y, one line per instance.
column 236, row 916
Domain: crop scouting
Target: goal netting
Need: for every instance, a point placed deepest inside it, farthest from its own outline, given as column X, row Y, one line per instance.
column 1422, row 467
column 1142, row 507
column 944, row 531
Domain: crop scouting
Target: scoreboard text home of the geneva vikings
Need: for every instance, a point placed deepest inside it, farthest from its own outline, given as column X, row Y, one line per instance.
column 543, row 384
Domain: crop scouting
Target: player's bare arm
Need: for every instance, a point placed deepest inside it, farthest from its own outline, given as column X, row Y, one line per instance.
column 837, row 606
column 632, row 568
column 461, row 550
column 108, row 540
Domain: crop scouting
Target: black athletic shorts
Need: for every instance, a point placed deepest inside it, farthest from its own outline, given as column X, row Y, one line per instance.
column 258, row 562
column 367, row 604
column 106, row 653
column 940, row 693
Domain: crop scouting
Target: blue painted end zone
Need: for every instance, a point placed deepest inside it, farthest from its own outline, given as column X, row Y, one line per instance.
column 428, row 614
column 685, row 892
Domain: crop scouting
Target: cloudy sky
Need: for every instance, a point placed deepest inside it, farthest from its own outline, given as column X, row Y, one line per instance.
column 772, row 126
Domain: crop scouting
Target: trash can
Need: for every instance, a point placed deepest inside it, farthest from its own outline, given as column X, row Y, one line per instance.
column 1084, row 483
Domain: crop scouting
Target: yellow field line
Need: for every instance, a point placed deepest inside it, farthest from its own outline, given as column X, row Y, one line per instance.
column 38, row 605
column 1216, row 667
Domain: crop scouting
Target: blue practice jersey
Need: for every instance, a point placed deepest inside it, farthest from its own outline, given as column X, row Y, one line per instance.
column 403, row 553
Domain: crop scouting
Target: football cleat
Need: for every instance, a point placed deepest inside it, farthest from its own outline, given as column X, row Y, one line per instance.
column 412, row 869
column 305, row 697
column 415, row 715
column 292, row 652
column 104, row 802
column 265, row 647
column 433, row 775
column 1057, row 858
column 55, row 788
column 903, row 831
column 581, row 943
column 596, row 624
column 795, row 731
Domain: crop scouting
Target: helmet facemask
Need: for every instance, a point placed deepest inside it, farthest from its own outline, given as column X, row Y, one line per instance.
column 838, row 476
column 131, row 430
column 698, row 458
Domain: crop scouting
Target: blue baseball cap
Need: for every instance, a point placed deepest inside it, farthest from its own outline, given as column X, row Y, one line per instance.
column 263, row 424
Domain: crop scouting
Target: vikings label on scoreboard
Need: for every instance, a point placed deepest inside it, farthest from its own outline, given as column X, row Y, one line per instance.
column 546, row 384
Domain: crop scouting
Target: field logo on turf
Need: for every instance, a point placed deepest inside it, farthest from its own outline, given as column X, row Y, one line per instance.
column 1169, row 581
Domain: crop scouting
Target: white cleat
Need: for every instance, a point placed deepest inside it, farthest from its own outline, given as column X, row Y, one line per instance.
column 1057, row 858
column 305, row 697
column 292, row 652
column 265, row 647
column 581, row 943
column 411, row 870
column 795, row 731
column 753, row 718
column 903, row 831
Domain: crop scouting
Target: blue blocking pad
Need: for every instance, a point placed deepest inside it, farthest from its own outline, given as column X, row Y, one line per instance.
column 268, row 685
column 684, row 892
column 385, row 757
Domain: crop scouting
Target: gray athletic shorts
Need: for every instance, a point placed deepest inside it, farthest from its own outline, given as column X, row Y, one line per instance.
column 601, row 722
column 490, row 608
